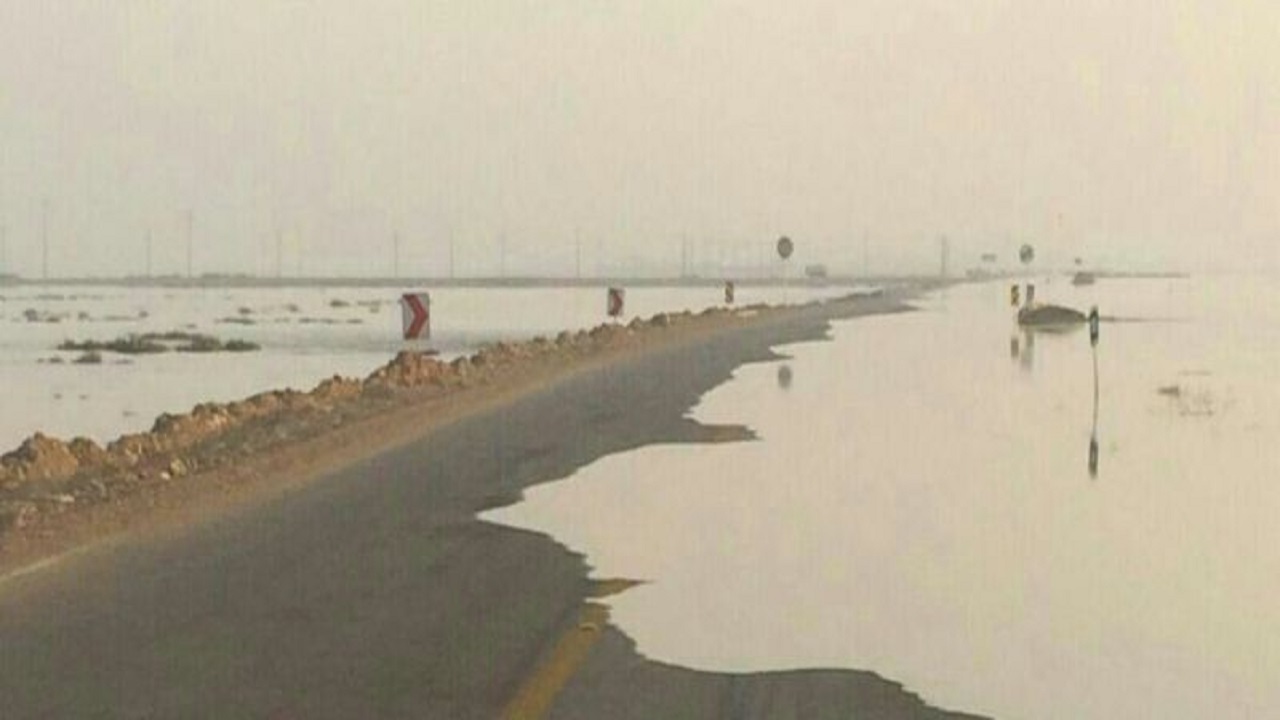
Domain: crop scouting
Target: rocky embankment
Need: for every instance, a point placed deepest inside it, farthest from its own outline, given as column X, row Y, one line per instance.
column 47, row 478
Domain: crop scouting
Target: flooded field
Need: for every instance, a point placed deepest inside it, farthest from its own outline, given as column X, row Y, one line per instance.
column 305, row 336
column 924, row 502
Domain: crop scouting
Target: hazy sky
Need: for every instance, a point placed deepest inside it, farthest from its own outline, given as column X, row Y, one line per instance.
column 1143, row 131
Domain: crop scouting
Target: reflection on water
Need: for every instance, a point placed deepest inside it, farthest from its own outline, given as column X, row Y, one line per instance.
column 784, row 376
column 1093, row 433
column 916, row 507
column 1022, row 348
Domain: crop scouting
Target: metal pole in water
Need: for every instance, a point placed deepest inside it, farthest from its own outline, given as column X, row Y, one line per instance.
column 1094, row 322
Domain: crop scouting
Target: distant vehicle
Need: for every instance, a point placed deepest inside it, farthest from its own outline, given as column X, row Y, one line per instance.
column 815, row 271
column 1083, row 278
column 1050, row 317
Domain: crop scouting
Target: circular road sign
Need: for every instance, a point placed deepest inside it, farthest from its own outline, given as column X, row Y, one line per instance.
column 785, row 247
column 1027, row 254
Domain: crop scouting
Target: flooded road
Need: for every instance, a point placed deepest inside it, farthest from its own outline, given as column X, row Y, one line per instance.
column 306, row 334
column 921, row 503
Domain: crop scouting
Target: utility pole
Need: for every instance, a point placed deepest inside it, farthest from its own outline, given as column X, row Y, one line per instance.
column 945, row 244
column 395, row 254
column 4, row 249
column 149, row 267
column 866, row 253
column 44, row 239
column 279, row 252
column 452, row 252
column 191, row 221
column 502, row 255
column 577, row 253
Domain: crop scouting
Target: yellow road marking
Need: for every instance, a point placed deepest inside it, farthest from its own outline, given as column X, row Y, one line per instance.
column 539, row 692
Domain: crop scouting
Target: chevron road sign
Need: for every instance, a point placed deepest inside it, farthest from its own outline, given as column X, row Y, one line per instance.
column 416, row 313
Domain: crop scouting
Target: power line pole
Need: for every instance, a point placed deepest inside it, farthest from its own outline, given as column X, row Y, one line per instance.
column 149, row 267
column 452, row 267
column 44, row 239
column 191, row 222
column 4, row 249
column 395, row 254
column 866, row 253
column 945, row 244
column 502, row 255
column 577, row 249
column 279, row 252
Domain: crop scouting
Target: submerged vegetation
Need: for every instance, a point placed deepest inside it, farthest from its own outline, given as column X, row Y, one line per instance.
column 155, row 343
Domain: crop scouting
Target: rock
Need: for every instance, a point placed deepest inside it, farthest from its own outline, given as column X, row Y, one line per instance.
column 41, row 458
column 17, row 515
column 410, row 369
column 337, row 389
column 462, row 367
column 87, row 452
column 57, row 500
column 177, row 468
column 99, row 489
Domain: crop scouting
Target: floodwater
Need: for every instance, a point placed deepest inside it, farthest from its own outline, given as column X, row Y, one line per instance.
column 921, row 503
column 306, row 335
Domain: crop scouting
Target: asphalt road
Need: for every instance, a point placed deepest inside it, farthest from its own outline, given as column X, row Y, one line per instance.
column 374, row 592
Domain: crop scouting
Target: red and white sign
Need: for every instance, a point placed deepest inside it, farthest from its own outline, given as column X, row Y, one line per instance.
column 617, row 302
column 416, row 312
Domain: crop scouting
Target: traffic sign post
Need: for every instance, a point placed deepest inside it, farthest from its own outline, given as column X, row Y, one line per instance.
column 785, row 249
column 416, row 316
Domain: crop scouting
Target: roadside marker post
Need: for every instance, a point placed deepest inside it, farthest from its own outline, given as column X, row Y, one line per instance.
column 615, row 302
column 730, row 292
column 416, row 315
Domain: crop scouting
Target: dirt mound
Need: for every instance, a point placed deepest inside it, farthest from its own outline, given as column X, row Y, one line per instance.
column 46, row 475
